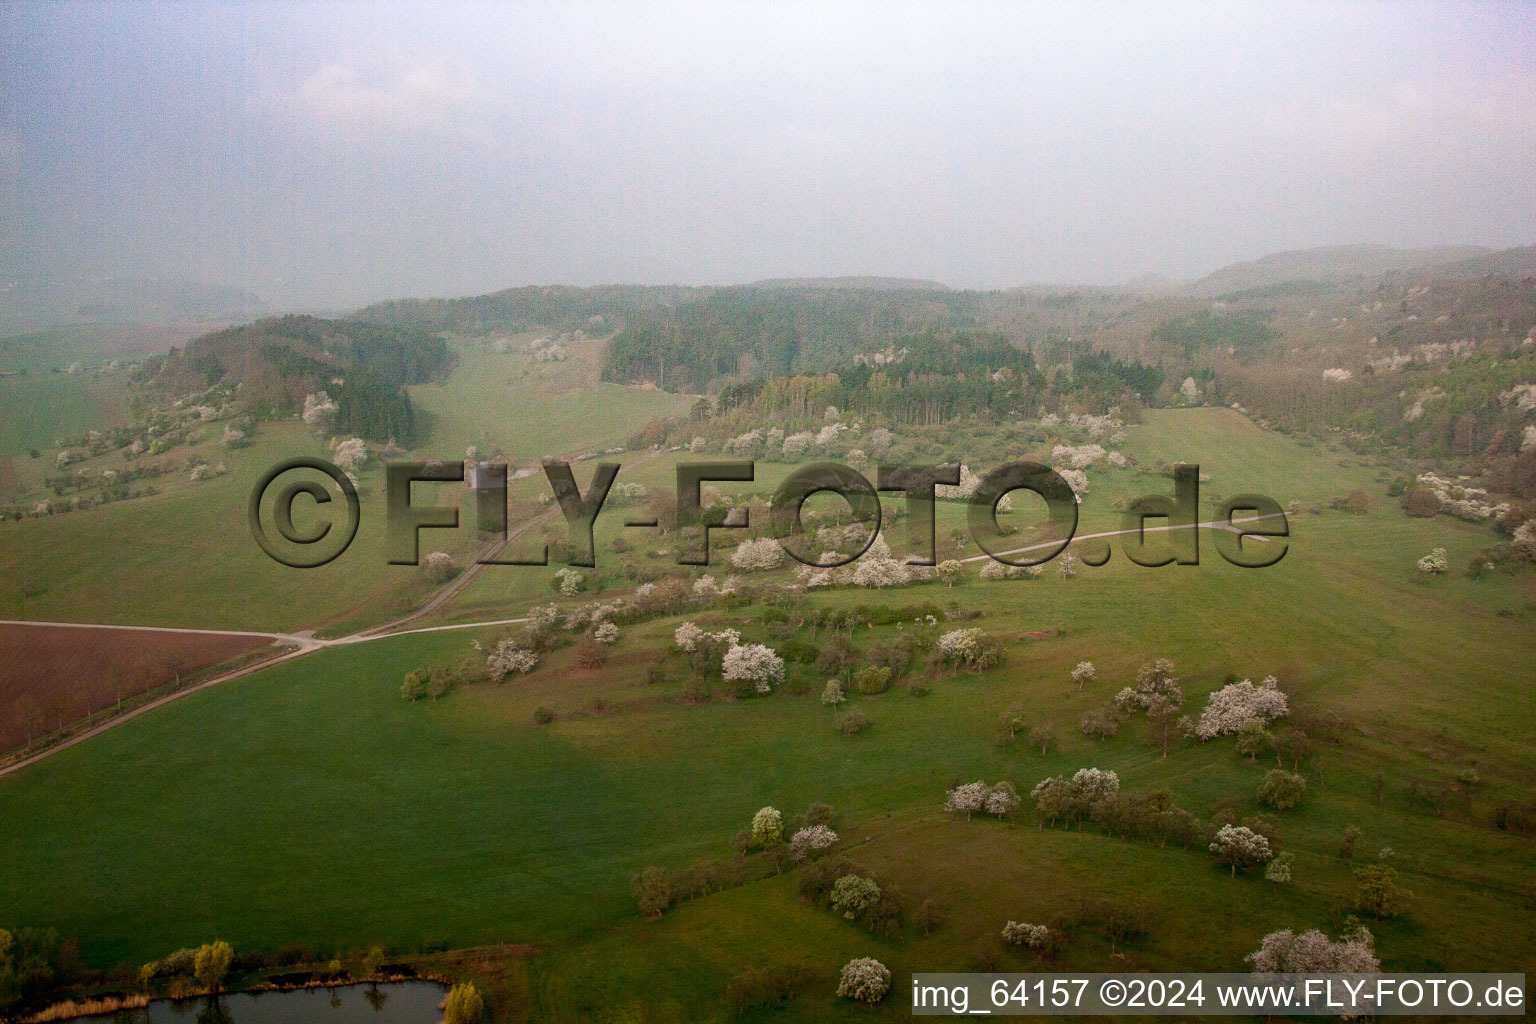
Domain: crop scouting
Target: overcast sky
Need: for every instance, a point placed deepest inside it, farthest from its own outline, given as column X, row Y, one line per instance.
column 328, row 155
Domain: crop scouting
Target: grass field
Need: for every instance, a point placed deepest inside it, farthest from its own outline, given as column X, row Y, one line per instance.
column 193, row 543
column 509, row 403
column 310, row 802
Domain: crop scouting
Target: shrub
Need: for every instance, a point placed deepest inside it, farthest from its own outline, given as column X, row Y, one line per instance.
column 1101, row 725
column 1281, row 789
column 832, row 693
column 439, row 566
column 1029, row 936
column 852, row 894
column 872, row 679
column 851, row 722
column 415, row 686
column 1435, row 563
column 1421, row 503
column 864, row 980
column 590, row 654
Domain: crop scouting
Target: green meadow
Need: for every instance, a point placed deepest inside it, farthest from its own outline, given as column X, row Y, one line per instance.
column 309, row 802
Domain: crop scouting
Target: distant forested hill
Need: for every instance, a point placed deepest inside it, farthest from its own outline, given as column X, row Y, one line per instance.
column 542, row 307
column 272, row 364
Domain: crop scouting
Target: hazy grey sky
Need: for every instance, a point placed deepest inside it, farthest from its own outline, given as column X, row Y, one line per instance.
column 330, row 154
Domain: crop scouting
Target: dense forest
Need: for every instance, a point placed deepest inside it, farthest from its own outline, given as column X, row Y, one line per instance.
column 275, row 362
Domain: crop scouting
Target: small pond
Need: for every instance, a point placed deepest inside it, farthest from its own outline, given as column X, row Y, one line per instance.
column 401, row 1002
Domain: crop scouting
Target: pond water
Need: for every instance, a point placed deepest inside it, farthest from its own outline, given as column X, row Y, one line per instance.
column 402, row 1002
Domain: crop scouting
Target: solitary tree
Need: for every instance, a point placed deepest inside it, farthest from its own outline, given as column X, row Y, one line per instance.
column 212, row 963
column 1347, row 844
column 767, row 827
column 1042, row 737
column 864, row 980
column 949, row 571
column 1240, row 847
column 1083, row 673
column 1013, row 719
column 1279, row 869
column 1377, row 891
column 852, row 894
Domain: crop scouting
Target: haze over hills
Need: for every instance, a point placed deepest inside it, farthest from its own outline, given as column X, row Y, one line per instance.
column 34, row 302
column 1335, row 263
column 867, row 284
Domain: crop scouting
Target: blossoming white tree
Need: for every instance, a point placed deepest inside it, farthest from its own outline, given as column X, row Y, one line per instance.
column 1077, row 456
column 877, row 572
column 864, row 980
column 970, row 798
column 1434, row 563
column 1002, row 801
column 605, row 633
column 832, row 693
column 570, row 581
column 1030, row 936
column 1229, row 708
column 319, row 412
column 1083, row 673
column 755, row 664
column 439, row 565
column 812, row 839
column 687, row 637
column 1312, row 952
column 351, row 453
column 1093, row 784
column 509, row 657
column 763, row 553
column 1240, row 847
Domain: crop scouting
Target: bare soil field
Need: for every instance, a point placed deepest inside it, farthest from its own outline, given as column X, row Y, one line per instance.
column 71, row 673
